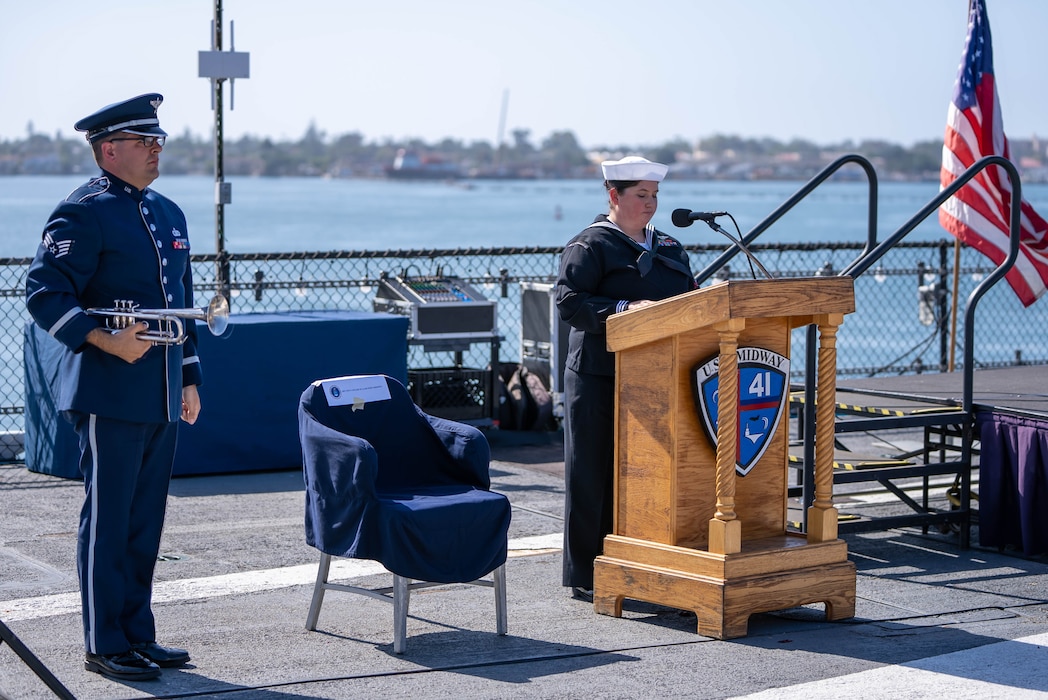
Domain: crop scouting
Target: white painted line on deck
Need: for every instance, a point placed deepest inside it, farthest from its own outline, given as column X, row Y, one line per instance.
column 245, row 582
column 1010, row 669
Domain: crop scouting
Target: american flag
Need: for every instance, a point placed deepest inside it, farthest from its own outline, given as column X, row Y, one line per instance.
column 979, row 213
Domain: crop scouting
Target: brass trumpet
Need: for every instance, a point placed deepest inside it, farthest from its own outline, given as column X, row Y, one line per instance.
column 171, row 330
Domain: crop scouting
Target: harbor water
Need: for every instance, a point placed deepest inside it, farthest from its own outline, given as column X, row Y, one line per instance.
column 315, row 214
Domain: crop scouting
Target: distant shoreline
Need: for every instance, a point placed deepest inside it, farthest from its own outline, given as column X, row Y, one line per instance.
column 718, row 158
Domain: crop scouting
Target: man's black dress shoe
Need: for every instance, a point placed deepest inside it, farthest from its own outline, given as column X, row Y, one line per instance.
column 580, row 593
column 126, row 666
column 164, row 657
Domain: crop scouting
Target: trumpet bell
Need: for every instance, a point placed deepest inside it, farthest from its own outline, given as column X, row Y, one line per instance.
column 218, row 315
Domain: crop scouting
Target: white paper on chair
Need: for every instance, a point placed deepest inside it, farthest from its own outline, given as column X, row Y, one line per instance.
column 356, row 390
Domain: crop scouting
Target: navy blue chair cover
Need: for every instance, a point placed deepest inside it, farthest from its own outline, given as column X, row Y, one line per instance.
column 391, row 483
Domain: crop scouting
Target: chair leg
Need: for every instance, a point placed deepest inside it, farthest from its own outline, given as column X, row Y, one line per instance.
column 318, row 591
column 501, row 616
column 401, row 598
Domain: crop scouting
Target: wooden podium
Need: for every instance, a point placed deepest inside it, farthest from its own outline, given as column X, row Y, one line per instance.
column 689, row 532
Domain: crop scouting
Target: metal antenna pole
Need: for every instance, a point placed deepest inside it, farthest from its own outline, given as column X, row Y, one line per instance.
column 222, row 263
column 218, row 66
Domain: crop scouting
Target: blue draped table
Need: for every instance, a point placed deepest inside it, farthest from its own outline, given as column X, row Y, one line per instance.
column 253, row 379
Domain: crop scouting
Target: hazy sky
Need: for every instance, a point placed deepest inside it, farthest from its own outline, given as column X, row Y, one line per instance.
column 613, row 72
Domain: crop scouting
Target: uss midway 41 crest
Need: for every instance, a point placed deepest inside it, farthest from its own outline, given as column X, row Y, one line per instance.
column 763, row 376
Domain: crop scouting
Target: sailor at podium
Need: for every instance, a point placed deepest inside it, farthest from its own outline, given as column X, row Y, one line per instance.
column 619, row 262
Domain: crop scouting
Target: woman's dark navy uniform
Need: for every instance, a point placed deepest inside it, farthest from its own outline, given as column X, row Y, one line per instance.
column 603, row 269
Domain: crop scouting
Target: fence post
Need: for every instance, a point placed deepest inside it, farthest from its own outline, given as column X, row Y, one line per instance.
column 942, row 294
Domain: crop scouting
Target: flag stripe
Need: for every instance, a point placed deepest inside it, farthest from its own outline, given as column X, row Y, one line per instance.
column 979, row 214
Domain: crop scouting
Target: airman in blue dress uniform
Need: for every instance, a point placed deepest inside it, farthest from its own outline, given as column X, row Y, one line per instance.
column 113, row 240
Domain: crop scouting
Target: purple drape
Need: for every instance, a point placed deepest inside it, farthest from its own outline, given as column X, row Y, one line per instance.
column 1013, row 482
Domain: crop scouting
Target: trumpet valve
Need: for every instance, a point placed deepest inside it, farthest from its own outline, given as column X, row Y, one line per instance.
column 125, row 316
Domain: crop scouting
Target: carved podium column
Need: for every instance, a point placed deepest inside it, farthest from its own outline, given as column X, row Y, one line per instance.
column 725, row 529
column 698, row 524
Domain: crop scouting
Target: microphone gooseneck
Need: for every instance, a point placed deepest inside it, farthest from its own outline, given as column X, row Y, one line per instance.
column 682, row 218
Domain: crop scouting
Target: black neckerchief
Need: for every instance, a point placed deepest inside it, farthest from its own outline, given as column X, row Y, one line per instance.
column 642, row 267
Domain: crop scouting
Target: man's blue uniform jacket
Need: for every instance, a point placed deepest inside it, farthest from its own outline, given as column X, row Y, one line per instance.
column 109, row 241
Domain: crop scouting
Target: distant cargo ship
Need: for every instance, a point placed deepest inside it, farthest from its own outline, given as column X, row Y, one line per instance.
column 408, row 165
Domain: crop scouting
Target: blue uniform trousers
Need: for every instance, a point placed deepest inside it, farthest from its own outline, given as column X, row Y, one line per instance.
column 589, row 464
column 127, row 469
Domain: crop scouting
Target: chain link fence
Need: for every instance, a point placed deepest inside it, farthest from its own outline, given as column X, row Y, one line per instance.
column 902, row 323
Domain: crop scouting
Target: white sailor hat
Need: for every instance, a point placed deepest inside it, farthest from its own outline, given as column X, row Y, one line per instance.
column 633, row 168
column 135, row 116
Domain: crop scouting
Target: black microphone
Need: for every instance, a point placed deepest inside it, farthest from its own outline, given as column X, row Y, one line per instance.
column 682, row 218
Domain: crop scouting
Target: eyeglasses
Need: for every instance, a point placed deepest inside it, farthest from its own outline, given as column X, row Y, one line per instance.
column 147, row 141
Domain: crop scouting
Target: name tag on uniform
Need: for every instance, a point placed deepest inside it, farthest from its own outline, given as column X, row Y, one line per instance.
column 356, row 390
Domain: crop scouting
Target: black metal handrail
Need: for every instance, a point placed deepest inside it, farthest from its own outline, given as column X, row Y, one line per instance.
column 821, row 177
column 867, row 259
column 870, row 256
column 808, row 486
